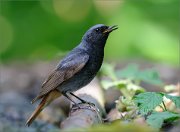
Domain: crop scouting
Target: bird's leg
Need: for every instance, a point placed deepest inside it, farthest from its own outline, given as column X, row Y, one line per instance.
column 65, row 94
column 83, row 101
column 74, row 103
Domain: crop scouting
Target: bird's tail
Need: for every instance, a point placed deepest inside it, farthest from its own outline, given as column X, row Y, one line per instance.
column 47, row 99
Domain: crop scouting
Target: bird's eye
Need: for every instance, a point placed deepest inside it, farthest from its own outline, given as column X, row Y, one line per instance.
column 97, row 29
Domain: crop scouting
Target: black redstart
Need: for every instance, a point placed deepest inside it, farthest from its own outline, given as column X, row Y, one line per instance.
column 76, row 70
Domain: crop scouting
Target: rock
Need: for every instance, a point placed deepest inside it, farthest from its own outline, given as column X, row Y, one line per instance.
column 111, row 95
column 114, row 114
column 14, row 110
column 52, row 115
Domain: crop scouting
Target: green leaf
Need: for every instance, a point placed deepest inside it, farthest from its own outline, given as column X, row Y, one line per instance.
column 175, row 99
column 147, row 101
column 156, row 119
column 108, row 84
column 128, row 72
column 151, row 76
column 122, row 84
column 132, row 72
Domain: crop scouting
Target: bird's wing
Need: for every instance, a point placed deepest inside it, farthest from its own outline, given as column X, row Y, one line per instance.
column 69, row 66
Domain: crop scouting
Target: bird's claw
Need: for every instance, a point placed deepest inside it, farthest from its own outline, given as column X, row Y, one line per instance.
column 84, row 102
column 76, row 105
column 89, row 103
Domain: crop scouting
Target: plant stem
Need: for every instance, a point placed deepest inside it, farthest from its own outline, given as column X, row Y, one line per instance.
column 164, row 105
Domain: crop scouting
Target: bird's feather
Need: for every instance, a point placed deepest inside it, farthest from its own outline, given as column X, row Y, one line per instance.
column 45, row 101
column 69, row 66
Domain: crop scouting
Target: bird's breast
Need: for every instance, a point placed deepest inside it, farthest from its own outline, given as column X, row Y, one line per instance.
column 95, row 62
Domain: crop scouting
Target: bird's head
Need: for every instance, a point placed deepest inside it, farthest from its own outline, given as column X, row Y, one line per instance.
column 98, row 34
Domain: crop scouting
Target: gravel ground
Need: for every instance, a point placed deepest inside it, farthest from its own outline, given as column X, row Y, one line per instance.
column 19, row 83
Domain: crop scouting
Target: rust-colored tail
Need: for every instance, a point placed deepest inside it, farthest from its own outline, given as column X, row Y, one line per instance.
column 47, row 99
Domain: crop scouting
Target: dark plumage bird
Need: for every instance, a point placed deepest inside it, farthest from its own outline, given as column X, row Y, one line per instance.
column 76, row 70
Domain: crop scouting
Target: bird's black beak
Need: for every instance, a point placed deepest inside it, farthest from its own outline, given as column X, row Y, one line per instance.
column 110, row 29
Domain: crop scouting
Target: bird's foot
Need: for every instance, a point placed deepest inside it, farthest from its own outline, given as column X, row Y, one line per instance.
column 89, row 103
column 80, row 105
column 77, row 105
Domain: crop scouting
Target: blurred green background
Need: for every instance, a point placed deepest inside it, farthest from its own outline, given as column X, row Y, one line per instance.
column 46, row 29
